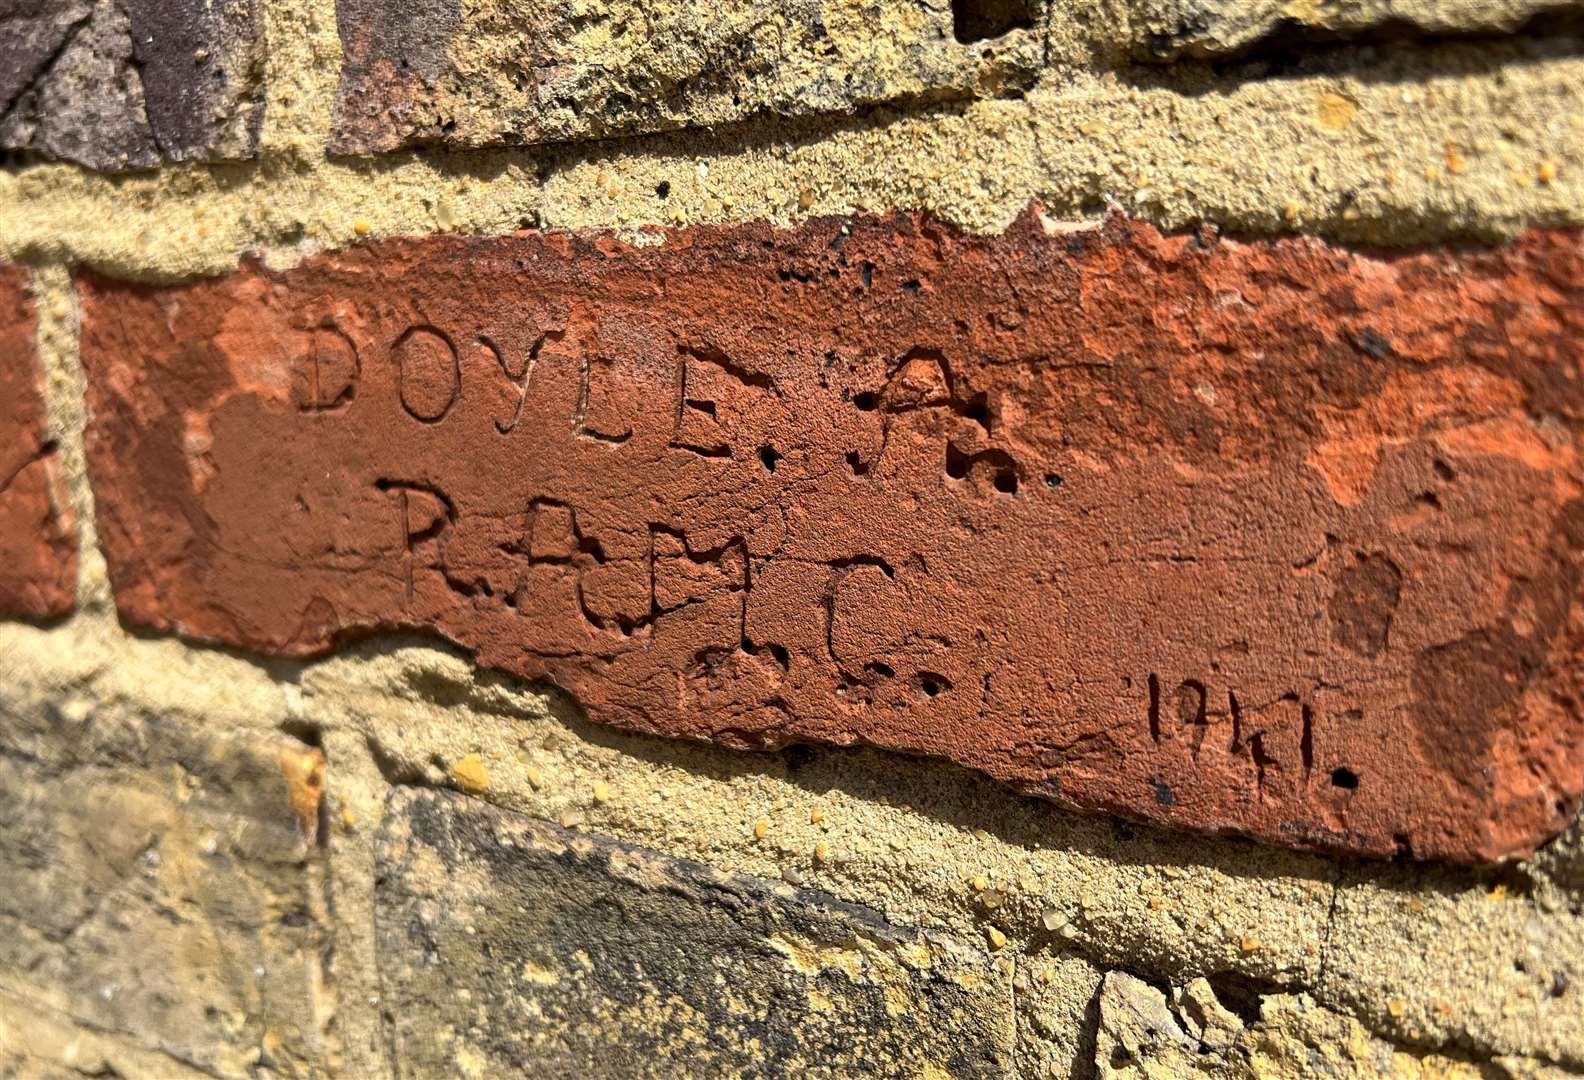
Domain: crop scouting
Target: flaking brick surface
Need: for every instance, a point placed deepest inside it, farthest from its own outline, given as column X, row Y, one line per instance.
column 509, row 944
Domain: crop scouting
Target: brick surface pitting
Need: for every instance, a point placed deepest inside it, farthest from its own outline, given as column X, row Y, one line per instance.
column 38, row 543
column 495, row 73
column 1270, row 537
column 128, row 85
column 516, row 946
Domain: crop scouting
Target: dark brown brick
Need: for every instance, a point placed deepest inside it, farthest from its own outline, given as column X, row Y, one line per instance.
column 38, row 543
column 126, row 85
column 1272, row 537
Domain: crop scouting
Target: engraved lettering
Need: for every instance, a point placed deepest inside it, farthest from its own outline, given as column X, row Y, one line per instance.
column 325, row 377
column 684, row 576
column 1273, row 738
column 605, row 402
column 552, row 532
column 611, row 585
column 1154, row 709
column 425, row 513
column 1191, row 710
column 429, row 373
column 518, row 376
column 1010, row 522
column 713, row 397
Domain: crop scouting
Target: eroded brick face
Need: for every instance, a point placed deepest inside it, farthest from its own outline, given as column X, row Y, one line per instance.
column 1176, row 29
column 1276, row 537
column 38, row 545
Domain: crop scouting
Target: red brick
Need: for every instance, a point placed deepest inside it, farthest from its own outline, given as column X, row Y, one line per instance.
column 38, row 543
column 1267, row 537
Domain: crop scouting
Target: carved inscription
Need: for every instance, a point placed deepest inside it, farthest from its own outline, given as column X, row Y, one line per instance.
column 1273, row 742
column 430, row 375
column 1131, row 521
column 326, row 375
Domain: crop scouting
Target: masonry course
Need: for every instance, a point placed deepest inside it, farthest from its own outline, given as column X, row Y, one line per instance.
column 932, row 847
column 1443, row 142
column 500, row 73
column 224, row 827
column 1165, row 30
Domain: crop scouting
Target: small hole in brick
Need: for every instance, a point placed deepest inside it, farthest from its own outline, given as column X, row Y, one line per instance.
column 1006, row 481
column 1344, row 778
column 856, row 464
column 663, row 189
column 1053, row 480
column 956, row 462
column 979, row 20
column 768, row 458
column 978, row 410
column 867, row 401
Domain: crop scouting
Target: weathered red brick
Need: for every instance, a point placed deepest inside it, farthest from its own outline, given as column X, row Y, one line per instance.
column 38, row 543
column 1270, row 537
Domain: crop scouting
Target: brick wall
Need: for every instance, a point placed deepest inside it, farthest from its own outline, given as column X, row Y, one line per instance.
column 816, row 538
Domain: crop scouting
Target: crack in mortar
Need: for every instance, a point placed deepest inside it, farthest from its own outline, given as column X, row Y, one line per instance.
column 1330, row 925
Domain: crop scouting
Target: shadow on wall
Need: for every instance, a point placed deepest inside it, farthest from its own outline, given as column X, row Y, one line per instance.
column 1387, row 53
column 944, row 792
